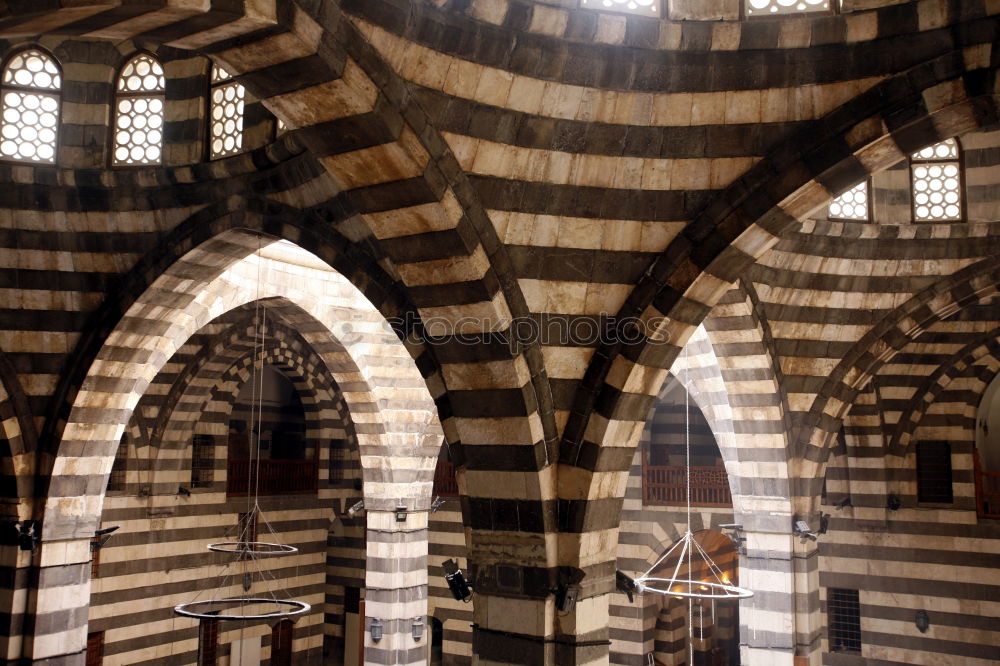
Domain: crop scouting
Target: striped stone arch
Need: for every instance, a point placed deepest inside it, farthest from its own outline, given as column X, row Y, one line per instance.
column 966, row 363
column 399, row 442
column 233, row 217
column 187, row 296
column 758, row 463
column 971, row 285
column 218, row 377
column 697, row 370
column 17, row 444
column 223, row 350
column 397, row 181
column 944, row 97
column 17, row 473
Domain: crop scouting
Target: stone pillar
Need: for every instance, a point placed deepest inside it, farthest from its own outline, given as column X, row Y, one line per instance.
column 396, row 587
column 808, row 618
column 15, row 569
column 58, row 605
column 513, row 630
column 526, row 630
column 767, row 620
column 582, row 636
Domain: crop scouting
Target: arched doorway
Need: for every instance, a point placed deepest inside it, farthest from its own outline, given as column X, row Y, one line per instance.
column 699, row 631
column 987, row 452
column 436, row 657
column 276, row 419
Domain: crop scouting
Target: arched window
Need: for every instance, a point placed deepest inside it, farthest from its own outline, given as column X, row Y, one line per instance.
column 936, row 181
column 852, row 204
column 225, row 136
column 139, row 93
column 31, row 84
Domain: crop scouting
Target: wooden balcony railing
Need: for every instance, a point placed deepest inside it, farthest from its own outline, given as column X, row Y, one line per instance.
column 445, row 483
column 987, row 490
column 277, row 477
column 666, row 486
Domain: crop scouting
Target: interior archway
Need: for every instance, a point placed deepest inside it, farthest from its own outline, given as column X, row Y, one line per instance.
column 399, row 435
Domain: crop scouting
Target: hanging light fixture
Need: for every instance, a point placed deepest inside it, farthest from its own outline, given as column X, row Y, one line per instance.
column 718, row 585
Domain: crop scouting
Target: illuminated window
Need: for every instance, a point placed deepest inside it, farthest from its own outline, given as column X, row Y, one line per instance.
column 772, row 7
column 852, row 204
column 139, row 112
column 226, row 119
column 31, row 83
column 937, row 183
column 642, row 7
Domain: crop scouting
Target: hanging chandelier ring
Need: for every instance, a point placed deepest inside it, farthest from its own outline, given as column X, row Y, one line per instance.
column 293, row 608
column 259, row 548
column 665, row 586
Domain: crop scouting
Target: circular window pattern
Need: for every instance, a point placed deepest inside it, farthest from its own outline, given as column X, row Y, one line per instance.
column 852, row 204
column 138, row 137
column 759, row 7
column 30, row 108
column 936, row 195
column 945, row 150
column 226, row 127
column 32, row 69
column 937, row 183
column 644, row 7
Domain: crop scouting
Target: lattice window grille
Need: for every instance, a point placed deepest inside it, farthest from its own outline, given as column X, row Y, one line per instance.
column 226, row 121
column 139, row 112
column 640, row 7
column 219, row 75
column 30, row 108
column 202, row 461
column 945, row 150
column 773, row 7
column 843, row 609
column 852, row 204
column 937, row 183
